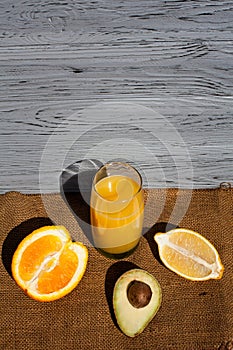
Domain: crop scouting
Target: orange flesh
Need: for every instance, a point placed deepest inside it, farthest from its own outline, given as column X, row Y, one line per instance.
column 55, row 275
column 194, row 244
column 184, row 264
column 35, row 253
column 60, row 275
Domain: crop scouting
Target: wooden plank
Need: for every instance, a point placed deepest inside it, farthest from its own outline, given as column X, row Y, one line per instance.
column 60, row 61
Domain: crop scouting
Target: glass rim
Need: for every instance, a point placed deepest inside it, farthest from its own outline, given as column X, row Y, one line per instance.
column 127, row 166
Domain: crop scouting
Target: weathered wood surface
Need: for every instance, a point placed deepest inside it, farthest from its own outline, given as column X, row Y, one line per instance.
column 80, row 79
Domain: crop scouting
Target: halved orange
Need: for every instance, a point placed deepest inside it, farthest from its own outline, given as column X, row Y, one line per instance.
column 47, row 265
column 189, row 254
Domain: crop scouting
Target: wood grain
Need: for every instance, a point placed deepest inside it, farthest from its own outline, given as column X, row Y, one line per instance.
column 66, row 65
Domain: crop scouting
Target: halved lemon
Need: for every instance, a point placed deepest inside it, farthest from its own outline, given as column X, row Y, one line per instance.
column 189, row 254
column 47, row 265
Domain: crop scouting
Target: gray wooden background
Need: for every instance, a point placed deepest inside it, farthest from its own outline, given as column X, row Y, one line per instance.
column 147, row 81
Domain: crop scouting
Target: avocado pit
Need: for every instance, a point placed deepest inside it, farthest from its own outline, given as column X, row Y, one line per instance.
column 139, row 294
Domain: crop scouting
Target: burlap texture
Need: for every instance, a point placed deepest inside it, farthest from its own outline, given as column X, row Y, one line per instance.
column 193, row 315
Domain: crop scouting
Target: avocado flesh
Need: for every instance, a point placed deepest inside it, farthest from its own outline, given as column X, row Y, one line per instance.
column 132, row 321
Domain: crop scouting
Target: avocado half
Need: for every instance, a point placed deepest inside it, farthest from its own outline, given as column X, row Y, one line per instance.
column 137, row 297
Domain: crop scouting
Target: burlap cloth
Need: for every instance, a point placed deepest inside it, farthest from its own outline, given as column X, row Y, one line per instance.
column 193, row 315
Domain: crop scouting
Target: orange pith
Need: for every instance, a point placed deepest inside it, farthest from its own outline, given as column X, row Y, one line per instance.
column 47, row 265
column 189, row 254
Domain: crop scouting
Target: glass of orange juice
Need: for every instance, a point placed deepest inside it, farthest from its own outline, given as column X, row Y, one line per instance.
column 117, row 209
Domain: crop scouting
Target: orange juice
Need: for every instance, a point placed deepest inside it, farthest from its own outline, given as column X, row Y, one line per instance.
column 117, row 207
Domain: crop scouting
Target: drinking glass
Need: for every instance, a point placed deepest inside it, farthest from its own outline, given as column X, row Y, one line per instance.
column 117, row 209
